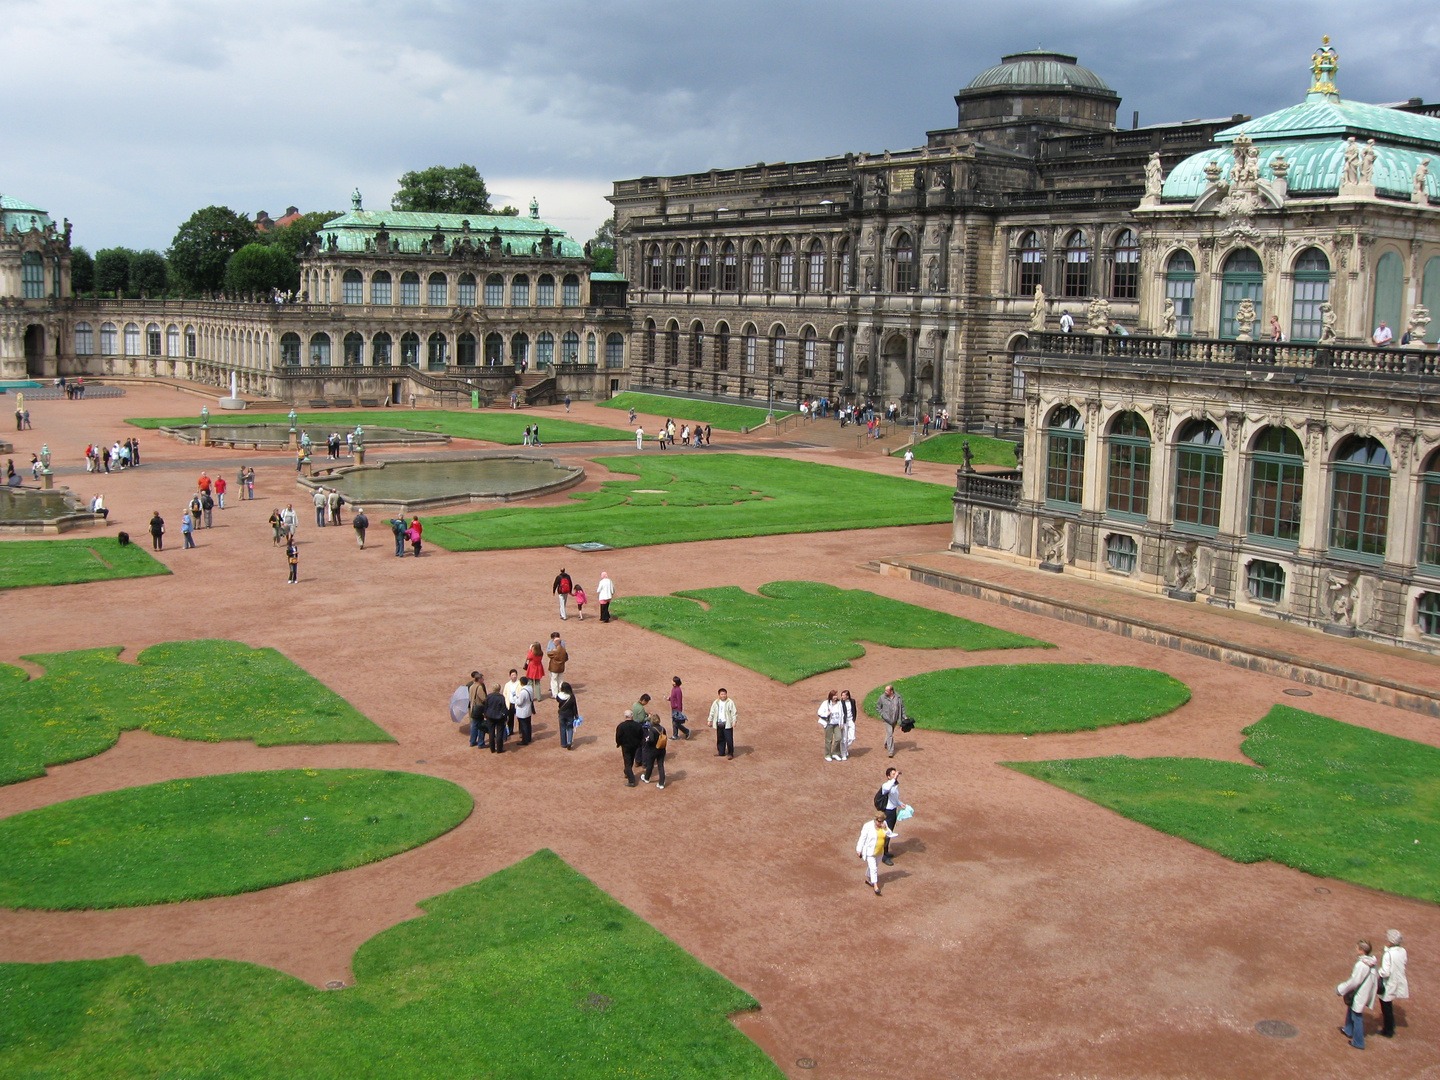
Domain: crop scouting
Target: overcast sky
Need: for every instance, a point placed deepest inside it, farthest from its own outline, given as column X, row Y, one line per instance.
column 128, row 115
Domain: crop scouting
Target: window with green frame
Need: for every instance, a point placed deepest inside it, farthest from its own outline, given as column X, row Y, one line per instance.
column 1277, row 483
column 1243, row 279
column 1360, row 498
column 1199, row 472
column 1429, row 554
column 1312, row 288
column 1065, row 468
column 1265, row 581
column 1128, row 476
column 1427, row 613
column 1180, row 288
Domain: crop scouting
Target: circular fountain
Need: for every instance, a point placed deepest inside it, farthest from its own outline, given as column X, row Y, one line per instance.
column 277, row 436
column 420, row 484
column 26, row 510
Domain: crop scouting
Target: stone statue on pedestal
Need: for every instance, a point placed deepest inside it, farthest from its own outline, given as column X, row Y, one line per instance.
column 1416, row 328
column 1351, row 173
column 1328, row 319
column 1037, row 311
column 1245, row 320
column 1418, row 193
column 1367, row 162
column 1154, row 176
column 1098, row 316
column 1168, row 319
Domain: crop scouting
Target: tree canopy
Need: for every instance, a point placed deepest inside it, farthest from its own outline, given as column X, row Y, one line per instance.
column 602, row 247
column 444, row 190
column 293, row 237
column 203, row 246
column 82, row 271
column 149, row 273
column 257, row 270
column 112, row 270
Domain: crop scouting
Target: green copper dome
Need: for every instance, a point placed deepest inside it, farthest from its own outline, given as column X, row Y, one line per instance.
column 1038, row 68
column 21, row 216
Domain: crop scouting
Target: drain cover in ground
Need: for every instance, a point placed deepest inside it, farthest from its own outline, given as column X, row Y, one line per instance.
column 1297, row 693
column 1277, row 1029
column 590, row 545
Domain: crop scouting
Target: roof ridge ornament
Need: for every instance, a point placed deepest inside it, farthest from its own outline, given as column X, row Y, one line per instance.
column 355, row 199
column 1324, row 62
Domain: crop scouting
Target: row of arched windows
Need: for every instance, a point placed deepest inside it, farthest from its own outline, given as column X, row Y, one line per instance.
column 1078, row 259
column 789, row 268
column 439, row 350
column 437, row 290
column 749, row 348
column 135, row 343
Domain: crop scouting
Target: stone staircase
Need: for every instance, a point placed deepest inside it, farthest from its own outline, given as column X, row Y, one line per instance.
column 826, row 431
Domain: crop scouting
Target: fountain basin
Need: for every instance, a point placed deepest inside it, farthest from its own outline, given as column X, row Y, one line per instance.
column 277, row 436
column 417, row 485
column 28, row 510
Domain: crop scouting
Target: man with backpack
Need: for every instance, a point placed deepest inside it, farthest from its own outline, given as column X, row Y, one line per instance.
column 562, row 588
column 397, row 526
column 887, row 802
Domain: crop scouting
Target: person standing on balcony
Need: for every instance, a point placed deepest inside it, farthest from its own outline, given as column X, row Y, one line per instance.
column 1383, row 335
column 1067, row 322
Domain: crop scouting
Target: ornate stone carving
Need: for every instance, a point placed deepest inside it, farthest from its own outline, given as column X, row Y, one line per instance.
column 1154, row 178
column 1350, row 173
column 1245, row 320
column 1342, row 595
column 1168, row 319
column 933, row 274
column 1328, row 319
column 1418, row 193
column 1183, row 566
column 1212, row 172
column 1052, row 542
column 1037, row 311
column 1418, row 324
column 1098, row 315
column 1367, row 162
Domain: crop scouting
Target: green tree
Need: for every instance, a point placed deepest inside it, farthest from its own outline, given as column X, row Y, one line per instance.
column 82, row 271
column 149, row 273
column 112, row 270
column 257, row 269
column 293, row 237
column 602, row 247
column 203, row 246
column 444, row 190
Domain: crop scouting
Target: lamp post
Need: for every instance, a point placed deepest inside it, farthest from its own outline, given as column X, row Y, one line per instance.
column 204, row 425
column 47, row 478
column 770, row 399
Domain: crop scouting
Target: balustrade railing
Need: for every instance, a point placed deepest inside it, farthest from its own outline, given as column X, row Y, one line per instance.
column 986, row 490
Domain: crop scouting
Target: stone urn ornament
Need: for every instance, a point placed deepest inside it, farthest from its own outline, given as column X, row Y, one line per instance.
column 1245, row 320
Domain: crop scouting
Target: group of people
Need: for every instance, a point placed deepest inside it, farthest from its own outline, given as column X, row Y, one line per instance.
column 1371, row 980
column 118, row 456
column 334, row 441
column 873, row 846
column 642, row 738
column 495, row 715
column 73, row 391
column 686, row 435
column 532, row 435
column 328, row 502
column 566, row 589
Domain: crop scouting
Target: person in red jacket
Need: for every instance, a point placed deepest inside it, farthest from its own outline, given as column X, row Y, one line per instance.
column 204, row 482
column 220, row 491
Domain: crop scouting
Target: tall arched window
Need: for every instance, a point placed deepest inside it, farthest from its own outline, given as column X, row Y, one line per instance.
column 410, row 349
column 1125, row 279
column 84, row 339
column 838, row 351
column 1032, row 264
column 845, row 278
column 290, row 350
column 465, row 292
column 465, row 349
column 1065, row 458
column 729, row 275
column 570, row 291
column 570, row 348
column 903, row 253
column 494, row 350
column 1430, row 514
column 545, row 291
column 757, row 268
column 672, row 343
column 1128, row 479
column 697, row 345
column 1312, row 288
column 722, row 347
column 1389, row 287
column 191, row 344
column 107, row 339
column 352, row 287
column 320, row 350
column 545, row 349
column 809, row 348
column 815, row 268
column 655, row 269
column 1430, row 297
column 132, row 339
column 354, row 346
column 649, row 346
column 172, row 340
column 614, row 350
column 589, row 347
column 1180, row 288
column 380, row 287
column 152, row 339
column 777, row 348
column 520, row 291
column 1199, row 472
column 1277, row 484
column 380, row 346
column 1360, row 498
column 1243, row 278
column 410, row 288
column 678, row 278
column 785, row 268
column 520, row 349
column 702, row 268
column 751, row 347
column 1077, row 265
column 32, row 275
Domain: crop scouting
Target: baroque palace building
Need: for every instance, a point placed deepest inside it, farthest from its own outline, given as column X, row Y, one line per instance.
column 393, row 305
column 1269, row 438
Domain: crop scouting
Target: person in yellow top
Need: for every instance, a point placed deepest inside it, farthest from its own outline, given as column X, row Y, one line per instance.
column 871, row 846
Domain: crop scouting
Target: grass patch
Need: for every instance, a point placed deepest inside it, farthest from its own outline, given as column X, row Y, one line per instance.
column 715, row 413
column 795, row 629
column 217, row 835
column 1026, row 699
column 506, row 426
column 1327, row 798
column 677, row 498
column 67, row 562
column 950, row 449
column 531, row 974
column 202, row 690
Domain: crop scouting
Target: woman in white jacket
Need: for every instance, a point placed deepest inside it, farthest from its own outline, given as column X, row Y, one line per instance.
column 1392, row 979
column 605, row 592
column 1359, row 994
column 832, row 721
column 870, row 847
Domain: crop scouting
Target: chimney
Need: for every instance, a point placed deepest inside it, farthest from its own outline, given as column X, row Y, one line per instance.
column 1135, row 121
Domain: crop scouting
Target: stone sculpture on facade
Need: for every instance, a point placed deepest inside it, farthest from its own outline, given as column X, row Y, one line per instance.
column 1098, row 316
column 1328, row 320
column 933, row 274
column 1418, row 193
column 1417, row 327
column 1341, row 592
column 1367, row 162
column 1168, row 319
column 1154, row 178
column 1184, row 565
column 1037, row 311
column 1245, row 320
column 1350, row 174
column 1052, row 543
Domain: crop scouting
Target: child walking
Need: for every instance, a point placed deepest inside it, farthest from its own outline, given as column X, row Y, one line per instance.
column 578, row 595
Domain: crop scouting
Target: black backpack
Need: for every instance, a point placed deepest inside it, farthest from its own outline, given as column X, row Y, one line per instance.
column 882, row 800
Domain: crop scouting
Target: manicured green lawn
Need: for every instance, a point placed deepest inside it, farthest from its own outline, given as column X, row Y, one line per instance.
column 505, row 426
column 65, row 562
column 695, row 495
column 795, row 629
column 202, row 690
column 950, row 448
column 715, row 413
column 217, row 835
column 1327, row 798
column 531, row 974
column 1025, row 699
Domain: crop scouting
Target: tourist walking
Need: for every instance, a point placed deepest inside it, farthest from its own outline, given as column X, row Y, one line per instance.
column 524, row 710
column 292, row 556
column 157, row 531
column 722, row 719
column 605, row 592
column 569, row 716
column 207, row 506
column 1359, row 993
column 628, row 737
column 320, row 507
column 847, row 733
column 219, row 489
column 360, row 523
column 397, row 526
column 892, row 710
column 248, row 476
column 535, row 663
column 874, row 835
column 495, row 717
column 187, row 528
column 289, row 520
column 887, row 800
column 832, row 720
column 1393, row 984
column 562, row 588
column 579, row 595
column 656, row 747
column 335, row 500
column 909, row 461
column 555, row 659
column 678, row 719
column 413, row 534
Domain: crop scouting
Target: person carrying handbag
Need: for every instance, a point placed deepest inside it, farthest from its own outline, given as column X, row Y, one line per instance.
column 1359, row 991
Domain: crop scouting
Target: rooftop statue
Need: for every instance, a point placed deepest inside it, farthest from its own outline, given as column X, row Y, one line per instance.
column 1154, row 176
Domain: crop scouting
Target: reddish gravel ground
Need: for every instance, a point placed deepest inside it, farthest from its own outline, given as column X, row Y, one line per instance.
column 1024, row 932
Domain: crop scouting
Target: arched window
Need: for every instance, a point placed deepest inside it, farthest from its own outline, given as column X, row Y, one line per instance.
column 1389, row 286
column 785, row 268
column 354, row 349
column 1429, row 514
column 520, row 291
column 1427, row 613
column 702, row 268
column 1032, row 264
column 545, row 291
column 1180, row 288
column 846, row 278
column 570, row 291
column 520, row 349
column 751, row 346
column 677, row 268
column 32, row 275
column 191, row 344
column 777, row 348
column 570, row 348
column 656, row 268
column 320, row 350
column 815, row 268
column 837, row 350
column 589, row 348
column 757, row 268
column 903, row 254
column 107, row 339
column 649, row 346
column 494, row 350
column 380, row 350
column 1312, row 288
column 380, row 287
column 172, row 340
column 614, row 350
column 729, row 276
column 808, row 349
column 1125, row 279
column 1199, row 472
column 1277, row 484
column 152, row 339
column 697, row 345
column 410, row 349
column 84, row 339
column 290, row 350
column 465, row 292
column 437, row 351
column 1128, row 482
column 352, row 287
column 132, row 339
column 722, row 347
column 410, row 288
column 494, row 291
column 465, row 350
column 1242, row 279
column 1077, row 265
column 1360, row 498
column 672, row 343
column 1065, row 458
column 545, row 349
column 1430, row 297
